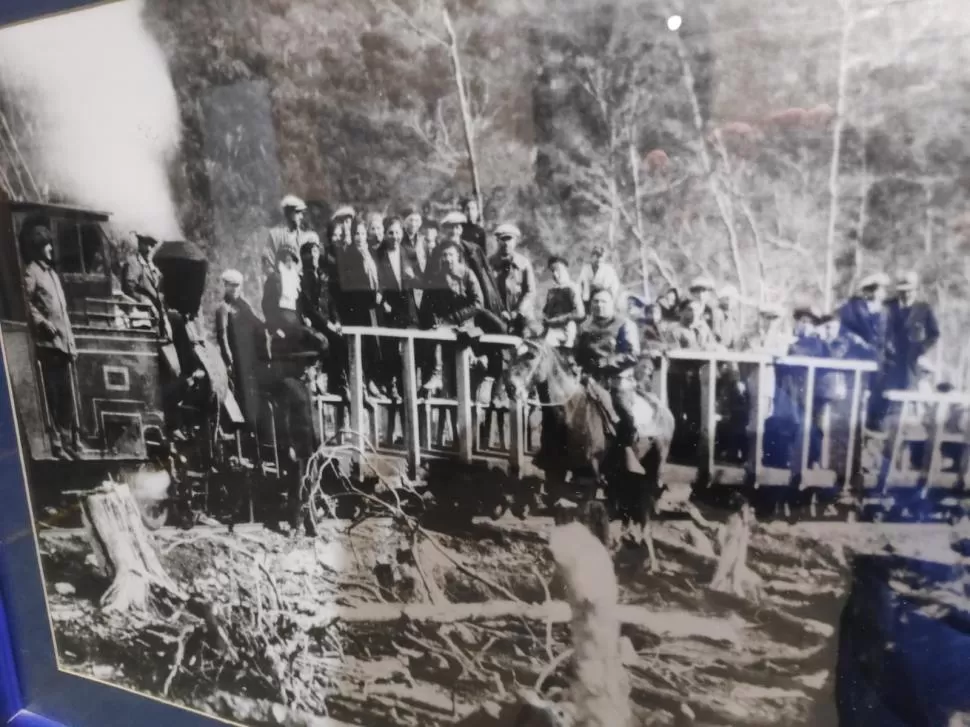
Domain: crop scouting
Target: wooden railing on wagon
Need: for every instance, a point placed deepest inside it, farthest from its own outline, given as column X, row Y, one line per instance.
column 450, row 426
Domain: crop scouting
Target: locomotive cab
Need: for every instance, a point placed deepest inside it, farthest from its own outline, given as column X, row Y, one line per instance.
column 115, row 378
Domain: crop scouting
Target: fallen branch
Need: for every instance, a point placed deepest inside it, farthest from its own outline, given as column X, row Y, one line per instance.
column 262, row 711
column 668, row 625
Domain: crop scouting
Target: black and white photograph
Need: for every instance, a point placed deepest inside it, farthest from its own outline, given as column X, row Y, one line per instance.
column 507, row 363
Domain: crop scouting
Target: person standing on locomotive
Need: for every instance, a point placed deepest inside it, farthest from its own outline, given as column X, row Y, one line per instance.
column 281, row 294
column 141, row 281
column 291, row 234
column 607, row 350
column 56, row 347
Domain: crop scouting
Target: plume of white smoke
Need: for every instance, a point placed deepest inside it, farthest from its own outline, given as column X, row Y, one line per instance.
column 96, row 88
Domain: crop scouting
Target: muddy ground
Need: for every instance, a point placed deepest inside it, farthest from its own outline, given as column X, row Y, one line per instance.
column 767, row 662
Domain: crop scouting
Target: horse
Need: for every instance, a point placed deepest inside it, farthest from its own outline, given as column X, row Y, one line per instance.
column 582, row 444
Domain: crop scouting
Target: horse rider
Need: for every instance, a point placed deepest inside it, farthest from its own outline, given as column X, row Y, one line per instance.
column 607, row 350
column 292, row 234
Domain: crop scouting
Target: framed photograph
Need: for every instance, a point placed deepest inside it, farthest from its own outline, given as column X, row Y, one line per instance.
column 531, row 362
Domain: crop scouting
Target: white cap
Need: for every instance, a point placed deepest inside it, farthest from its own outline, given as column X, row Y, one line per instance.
column 702, row 282
column 508, row 230
column 907, row 281
column 291, row 201
column 232, row 277
column 728, row 292
column 454, row 218
column 345, row 211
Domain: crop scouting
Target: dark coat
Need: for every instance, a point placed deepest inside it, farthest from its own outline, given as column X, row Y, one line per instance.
column 398, row 308
column 142, row 281
column 864, row 330
column 456, row 301
column 911, row 333
column 47, row 307
column 475, row 234
column 357, row 302
column 315, row 303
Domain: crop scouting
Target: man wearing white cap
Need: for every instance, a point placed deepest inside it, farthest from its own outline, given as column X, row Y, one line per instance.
column 515, row 278
column 863, row 318
column 912, row 331
column 292, row 234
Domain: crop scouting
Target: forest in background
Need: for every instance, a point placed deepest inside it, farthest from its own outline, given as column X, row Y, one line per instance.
column 756, row 143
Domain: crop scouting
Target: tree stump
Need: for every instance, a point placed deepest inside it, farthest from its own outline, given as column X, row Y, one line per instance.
column 732, row 574
column 601, row 687
column 123, row 549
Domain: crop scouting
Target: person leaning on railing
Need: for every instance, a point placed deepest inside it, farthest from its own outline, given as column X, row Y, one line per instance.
column 564, row 309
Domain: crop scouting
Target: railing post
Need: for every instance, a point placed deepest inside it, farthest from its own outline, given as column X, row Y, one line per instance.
column 465, row 420
column 808, row 420
column 412, row 436
column 357, row 404
column 517, row 416
column 710, row 425
column 931, row 466
column 759, row 447
column 854, row 415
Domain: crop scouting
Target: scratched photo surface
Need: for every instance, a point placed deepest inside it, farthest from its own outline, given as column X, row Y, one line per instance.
column 526, row 362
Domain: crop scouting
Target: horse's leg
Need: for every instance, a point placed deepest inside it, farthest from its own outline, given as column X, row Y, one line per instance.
column 646, row 499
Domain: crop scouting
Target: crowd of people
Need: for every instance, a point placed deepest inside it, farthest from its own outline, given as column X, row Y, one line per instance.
column 408, row 272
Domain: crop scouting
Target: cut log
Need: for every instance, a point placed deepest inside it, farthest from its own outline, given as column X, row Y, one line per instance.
column 601, row 689
column 124, row 550
column 661, row 624
column 732, row 574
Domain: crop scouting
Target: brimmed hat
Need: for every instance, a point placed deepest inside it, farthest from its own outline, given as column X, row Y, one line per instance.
column 342, row 213
column 702, row 282
column 508, row 230
column 907, row 281
column 728, row 292
column 147, row 239
column 771, row 310
column 454, row 218
column 810, row 310
column 291, row 201
column 409, row 211
column 232, row 277
column 286, row 252
column 875, row 280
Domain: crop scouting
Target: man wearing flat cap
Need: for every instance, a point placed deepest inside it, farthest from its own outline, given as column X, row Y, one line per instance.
column 515, row 278
column 291, row 234
column 596, row 275
column 863, row 318
column 56, row 347
column 141, row 281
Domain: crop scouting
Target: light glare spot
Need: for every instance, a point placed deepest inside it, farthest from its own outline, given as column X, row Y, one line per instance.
column 674, row 22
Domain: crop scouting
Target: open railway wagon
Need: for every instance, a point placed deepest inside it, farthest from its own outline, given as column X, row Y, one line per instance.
column 730, row 431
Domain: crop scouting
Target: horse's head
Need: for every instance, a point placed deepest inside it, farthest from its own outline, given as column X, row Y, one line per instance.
column 531, row 364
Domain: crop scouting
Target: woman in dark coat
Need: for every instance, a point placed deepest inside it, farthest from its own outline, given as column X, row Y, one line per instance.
column 357, row 303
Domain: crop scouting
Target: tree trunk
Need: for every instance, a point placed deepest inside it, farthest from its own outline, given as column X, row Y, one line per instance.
column 124, row 549
column 644, row 266
column 835, row 162
column 466, row 116
column 601, row 687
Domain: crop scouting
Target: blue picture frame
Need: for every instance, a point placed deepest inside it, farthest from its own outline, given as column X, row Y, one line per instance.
column 34, row 692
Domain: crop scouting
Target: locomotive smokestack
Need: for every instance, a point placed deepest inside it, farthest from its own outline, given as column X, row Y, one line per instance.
column 101, row 110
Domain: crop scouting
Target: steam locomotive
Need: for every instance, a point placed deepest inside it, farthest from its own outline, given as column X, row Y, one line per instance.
column 122, row 376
